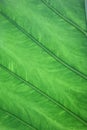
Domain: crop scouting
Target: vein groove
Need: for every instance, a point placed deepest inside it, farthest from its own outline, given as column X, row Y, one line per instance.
column 64, row 18
column 22, row 121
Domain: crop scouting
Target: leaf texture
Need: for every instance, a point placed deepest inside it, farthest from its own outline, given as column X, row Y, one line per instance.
column 54, row 33
column 40, row 69
column 10, row 122
column 72, row 11
column 30, row 107
column 43, row 65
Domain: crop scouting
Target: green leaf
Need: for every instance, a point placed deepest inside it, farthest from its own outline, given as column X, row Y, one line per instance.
column 22, row 56
column 10, row 122
column 45, row 54
column 70, row 10
column 24, row 107
column 64, row 41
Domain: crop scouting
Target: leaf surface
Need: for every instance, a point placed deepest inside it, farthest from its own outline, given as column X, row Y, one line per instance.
column 23, row 57
column 43, row 57
column 24, row 107
column 66, row 43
